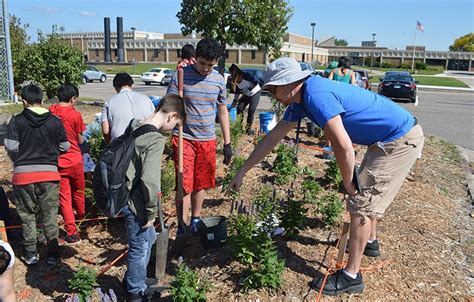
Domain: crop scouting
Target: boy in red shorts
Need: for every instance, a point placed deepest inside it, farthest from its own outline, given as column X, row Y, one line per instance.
column 204, row 92
column 71, row 167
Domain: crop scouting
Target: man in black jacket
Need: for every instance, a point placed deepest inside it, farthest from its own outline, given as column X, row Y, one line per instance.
column 34, row 141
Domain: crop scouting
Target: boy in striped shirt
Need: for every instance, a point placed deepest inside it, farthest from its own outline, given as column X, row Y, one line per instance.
column 204, row 93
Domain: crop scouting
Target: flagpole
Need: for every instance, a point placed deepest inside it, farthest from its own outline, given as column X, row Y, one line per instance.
column 414, row 47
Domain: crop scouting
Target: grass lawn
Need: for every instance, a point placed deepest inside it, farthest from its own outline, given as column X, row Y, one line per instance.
column 430, row 71
column 440, row 81
column 128, row 68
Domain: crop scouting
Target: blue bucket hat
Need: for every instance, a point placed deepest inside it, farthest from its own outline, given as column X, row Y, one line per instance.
column 283, row 71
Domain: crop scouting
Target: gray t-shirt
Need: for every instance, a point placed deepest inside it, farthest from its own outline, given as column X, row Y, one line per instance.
column 123, row 107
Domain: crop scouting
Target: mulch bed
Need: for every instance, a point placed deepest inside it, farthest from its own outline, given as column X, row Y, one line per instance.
column 424, row 238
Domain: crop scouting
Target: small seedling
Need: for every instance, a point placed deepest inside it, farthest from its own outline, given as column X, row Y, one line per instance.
column 83, row 282
column 236, row 131
column 236, row 163
column 187, row 285
column 243, row 233
column 310, row 188
column 96, row 144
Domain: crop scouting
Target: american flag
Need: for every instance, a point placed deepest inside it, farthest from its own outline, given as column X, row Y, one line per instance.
column 419, row 26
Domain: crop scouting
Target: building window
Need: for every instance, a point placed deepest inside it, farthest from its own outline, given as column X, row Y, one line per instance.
column 96, row 52
column 178, row 53
column 226, row 54
column 254, row 54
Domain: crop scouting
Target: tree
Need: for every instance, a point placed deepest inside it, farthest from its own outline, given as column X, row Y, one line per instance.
column 340, row 42
column 464, row 43
column 260, row 23
column 19, row 47
column 54, row 62
column 50, row 63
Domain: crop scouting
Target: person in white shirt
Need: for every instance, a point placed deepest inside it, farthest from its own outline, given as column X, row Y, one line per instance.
column 123, row 107
column 249, row 86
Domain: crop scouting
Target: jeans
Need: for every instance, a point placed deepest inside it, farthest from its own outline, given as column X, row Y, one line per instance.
column 140, row 242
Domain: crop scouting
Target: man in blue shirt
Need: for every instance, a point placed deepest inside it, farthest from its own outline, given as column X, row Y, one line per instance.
column 348, row 115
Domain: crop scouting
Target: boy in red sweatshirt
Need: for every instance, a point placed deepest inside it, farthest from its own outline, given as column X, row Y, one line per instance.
column 71, row 167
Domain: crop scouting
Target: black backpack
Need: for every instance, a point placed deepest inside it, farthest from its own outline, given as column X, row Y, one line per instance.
column 109, row 181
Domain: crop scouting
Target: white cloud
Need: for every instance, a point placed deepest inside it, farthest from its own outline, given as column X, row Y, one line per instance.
column 87, row 13
column 45, row 10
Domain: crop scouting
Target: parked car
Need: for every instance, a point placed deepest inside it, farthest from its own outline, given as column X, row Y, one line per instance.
column 396, row 84
column 360, row 82
column 258, row 73
column 365, row 77
column 306, row 66
column 168, row 77
column 226, row 72
column 155, row 75
column 93, row 74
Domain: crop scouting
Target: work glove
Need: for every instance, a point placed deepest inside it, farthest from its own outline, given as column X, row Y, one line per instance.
column 227, row 154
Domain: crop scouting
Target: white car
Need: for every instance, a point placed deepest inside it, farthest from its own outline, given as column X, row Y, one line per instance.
column 155, row 75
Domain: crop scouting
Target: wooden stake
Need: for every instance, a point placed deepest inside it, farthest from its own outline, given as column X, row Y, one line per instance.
column 342, row 245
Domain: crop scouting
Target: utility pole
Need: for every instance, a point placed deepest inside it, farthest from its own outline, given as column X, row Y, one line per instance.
column 373, row 46
column 312, row 41
column 133, row 30
column 7, row 89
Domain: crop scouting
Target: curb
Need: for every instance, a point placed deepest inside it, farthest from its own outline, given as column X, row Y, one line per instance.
column 467, row 170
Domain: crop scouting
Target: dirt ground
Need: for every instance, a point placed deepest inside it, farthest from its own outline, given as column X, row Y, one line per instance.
column 426, row 241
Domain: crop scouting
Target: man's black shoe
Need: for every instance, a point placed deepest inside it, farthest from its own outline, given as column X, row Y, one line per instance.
column 372, row 249
column 339, row 283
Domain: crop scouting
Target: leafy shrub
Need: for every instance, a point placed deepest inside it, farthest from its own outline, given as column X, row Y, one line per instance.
column 330, row 208
column 96, row 144
column 310, row 188
column 284, row 165
column 243, row 233
column 83, row 282
column 405, row 66
column 292, row 214
column 387, row 65
column 168, row 179
column 187, row 286
column 268, row 271
column 265, row 208
column 333, row 175
column 421, row 66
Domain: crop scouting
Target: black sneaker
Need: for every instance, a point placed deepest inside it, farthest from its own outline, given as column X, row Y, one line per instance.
column 70, row 240
column 148, row 295
column 250, row 131
column 30, row 258
column 53, row 252
column 372, row 249
column 339, row 283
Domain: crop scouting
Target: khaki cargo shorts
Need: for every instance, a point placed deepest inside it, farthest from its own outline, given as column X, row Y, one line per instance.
column 383, row 171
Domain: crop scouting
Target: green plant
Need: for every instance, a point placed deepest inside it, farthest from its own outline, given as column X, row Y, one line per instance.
column 96, row 144
column 268, row 271
column 187, row 286
column 83, row 282
column 333, row 175
column 330, row 208
column 278, row 108
column 243, row 234
column 292, row 214
column 310, row 188
column 168, row 179
column 236, row 131
column 421, row 66
column 265, row 207
column 284, row 165
column 236, row 163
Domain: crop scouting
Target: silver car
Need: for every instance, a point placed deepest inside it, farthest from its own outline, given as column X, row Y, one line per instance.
column 93, row 74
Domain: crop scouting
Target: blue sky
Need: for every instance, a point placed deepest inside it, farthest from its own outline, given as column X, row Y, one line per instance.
column 393, row 21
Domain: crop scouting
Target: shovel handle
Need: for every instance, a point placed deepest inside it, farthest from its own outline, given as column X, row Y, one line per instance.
column 179, row 181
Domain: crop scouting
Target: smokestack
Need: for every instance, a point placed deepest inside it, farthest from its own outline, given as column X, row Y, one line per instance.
column 120, row 51
column 107, row 40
